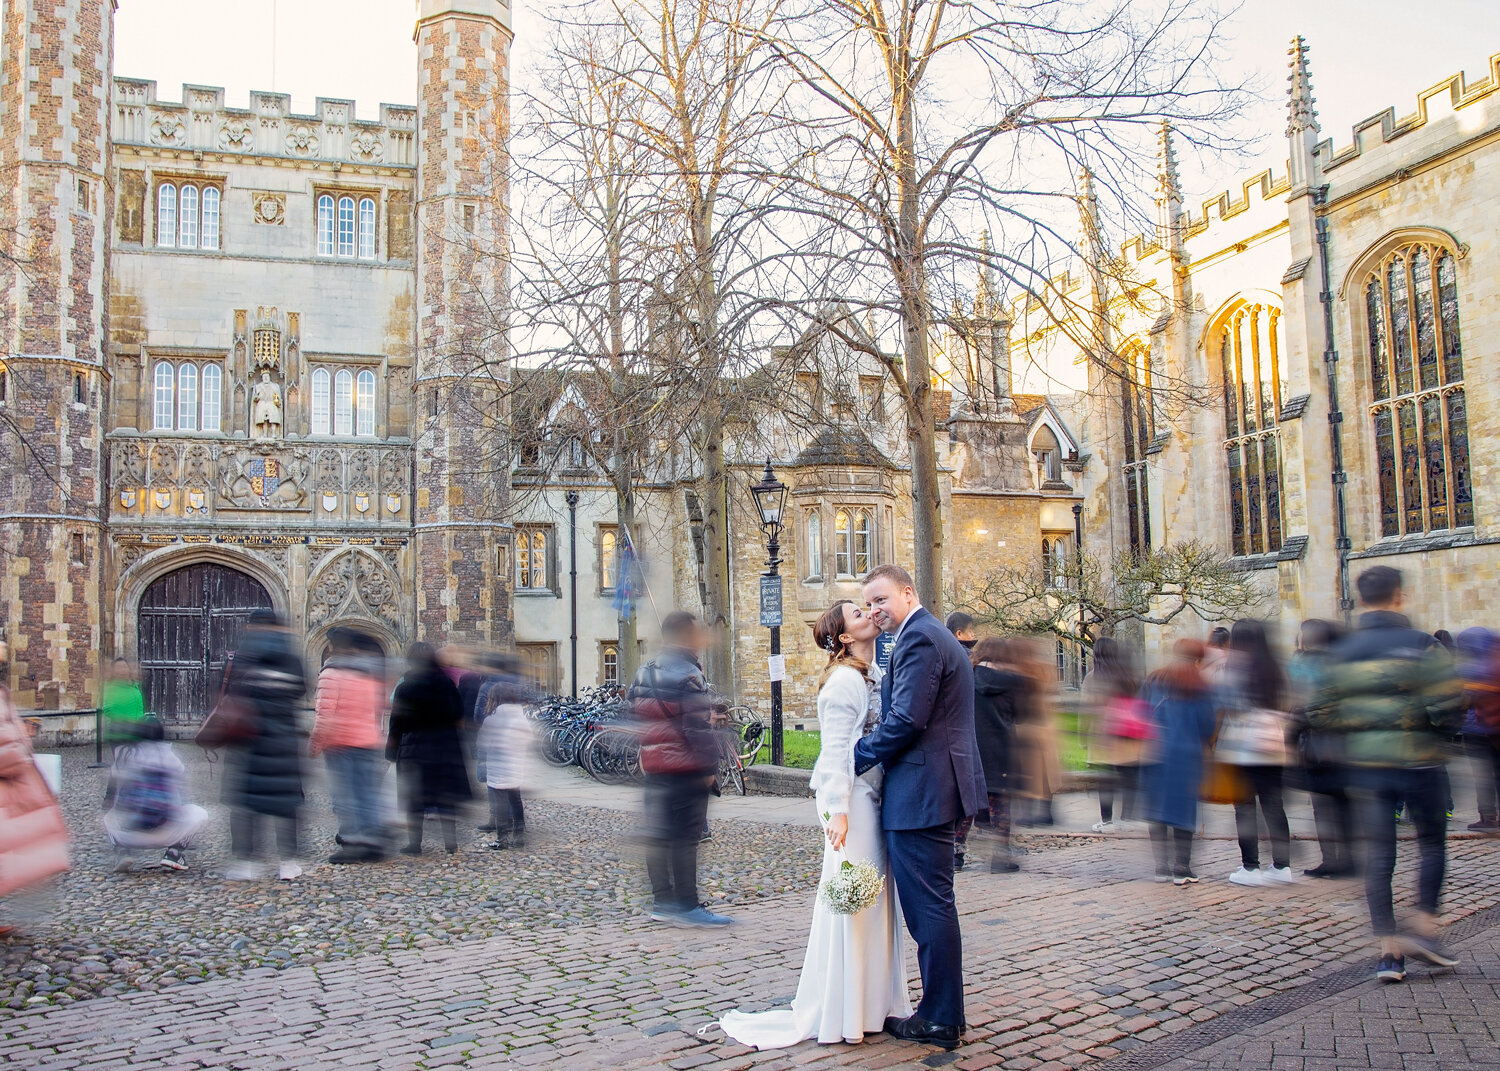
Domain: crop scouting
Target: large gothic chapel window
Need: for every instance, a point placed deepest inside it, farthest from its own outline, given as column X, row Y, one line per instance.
column 1419, row 413
column 1139, row 426
column 1249, row 342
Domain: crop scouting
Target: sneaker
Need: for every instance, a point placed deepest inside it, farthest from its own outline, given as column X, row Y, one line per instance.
column 1245, row 876
column 242, row 870
column 289, row 870
column 1427, row 950
column 1103, row 827
column 665, row 914
column 1484, row 825
column 1279, row 875
column 1188, row 878
column 173, row 859
column 701, row 918
column 1162, row 878
column 1391, row 969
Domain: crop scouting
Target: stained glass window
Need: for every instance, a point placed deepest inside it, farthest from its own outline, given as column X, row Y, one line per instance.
column 1419, row 414
column 1254, row 390
column 1139, row 423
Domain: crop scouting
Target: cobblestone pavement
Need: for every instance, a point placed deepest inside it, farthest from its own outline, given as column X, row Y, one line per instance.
column 1076, row 959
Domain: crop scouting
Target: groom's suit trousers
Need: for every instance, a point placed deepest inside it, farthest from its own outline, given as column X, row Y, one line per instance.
column 921, row 865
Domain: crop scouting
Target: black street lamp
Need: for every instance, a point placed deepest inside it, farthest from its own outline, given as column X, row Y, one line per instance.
column 770, row 502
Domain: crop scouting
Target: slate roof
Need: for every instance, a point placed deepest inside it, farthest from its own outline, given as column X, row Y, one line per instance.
column 842, row 446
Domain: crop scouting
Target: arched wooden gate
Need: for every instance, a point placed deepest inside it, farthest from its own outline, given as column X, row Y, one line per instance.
column 188, row 623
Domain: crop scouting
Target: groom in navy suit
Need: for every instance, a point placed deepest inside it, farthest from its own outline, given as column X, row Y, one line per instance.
column 933, row 777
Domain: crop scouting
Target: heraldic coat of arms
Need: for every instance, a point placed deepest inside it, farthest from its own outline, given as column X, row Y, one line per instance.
column 265, row 475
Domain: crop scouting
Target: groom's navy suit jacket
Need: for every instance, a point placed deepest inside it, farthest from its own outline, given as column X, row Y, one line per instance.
column 926, row 739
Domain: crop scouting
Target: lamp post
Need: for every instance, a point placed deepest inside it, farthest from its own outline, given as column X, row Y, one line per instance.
column 770, row 500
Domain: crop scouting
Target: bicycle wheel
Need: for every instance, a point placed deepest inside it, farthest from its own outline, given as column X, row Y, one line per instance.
column 610, row 754
column 732, row 775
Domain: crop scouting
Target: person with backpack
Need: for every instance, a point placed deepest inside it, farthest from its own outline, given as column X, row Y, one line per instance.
column 150, row 809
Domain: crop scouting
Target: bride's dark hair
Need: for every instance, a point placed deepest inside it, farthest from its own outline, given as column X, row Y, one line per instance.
column 826, row 631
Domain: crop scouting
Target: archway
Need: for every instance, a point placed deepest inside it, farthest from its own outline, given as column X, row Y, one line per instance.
column 188, row 622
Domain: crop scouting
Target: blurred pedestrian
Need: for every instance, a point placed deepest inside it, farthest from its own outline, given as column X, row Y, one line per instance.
column 504, row 746
column 1253, row 733
column 1038, row 757
column 33, row 836
column 263, row 765
column 1216, row 656
column 122, row 705
column 150, row 808
column 999, row 689
column 679, row 755
column 1479, row 666
column 426, row 746
column 1323, row 766
column 1184, row 721
column 1392, row 692
column 349, row 711
column 1118, row 726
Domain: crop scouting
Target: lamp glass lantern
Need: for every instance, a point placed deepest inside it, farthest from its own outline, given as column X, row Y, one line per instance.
column 770, row 500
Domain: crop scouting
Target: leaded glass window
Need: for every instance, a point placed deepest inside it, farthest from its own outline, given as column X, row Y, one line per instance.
column 187, row 210
column 322, row 391
column 532, row 565
column 325, row 225
column 814, row 569
column 166, row 389
column 187, row 396
column 346, row 226
column 367, row 228
column 1138, row 423
column 1419, row 412
column 364, row 403
column 1249, row 345
column 343, row 403
column 210, row 238
column 166, row 214
column 213, row 388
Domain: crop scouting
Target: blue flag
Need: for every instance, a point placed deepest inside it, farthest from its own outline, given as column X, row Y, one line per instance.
column 625, row 583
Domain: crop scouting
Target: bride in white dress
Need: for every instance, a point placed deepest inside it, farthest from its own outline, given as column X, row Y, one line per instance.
column 854, row 973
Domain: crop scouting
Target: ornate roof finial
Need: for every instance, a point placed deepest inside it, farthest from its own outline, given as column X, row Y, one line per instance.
column 985, row 301
column 1301, row 115
column 1169, row 186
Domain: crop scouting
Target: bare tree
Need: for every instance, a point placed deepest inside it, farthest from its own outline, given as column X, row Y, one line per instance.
column 926, row 121
column 1085, row 597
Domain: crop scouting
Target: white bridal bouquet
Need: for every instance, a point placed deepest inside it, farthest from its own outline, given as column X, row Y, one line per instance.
column 855, row 887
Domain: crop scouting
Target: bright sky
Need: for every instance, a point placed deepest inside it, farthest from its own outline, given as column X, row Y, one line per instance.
column 1366, row 54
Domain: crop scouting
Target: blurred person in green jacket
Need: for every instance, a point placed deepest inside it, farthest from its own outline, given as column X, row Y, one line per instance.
column 1391, row 693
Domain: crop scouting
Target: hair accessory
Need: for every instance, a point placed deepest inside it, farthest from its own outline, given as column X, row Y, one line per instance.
column 828, row 645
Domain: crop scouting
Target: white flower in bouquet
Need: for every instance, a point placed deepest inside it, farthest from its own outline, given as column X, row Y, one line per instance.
column 855, row 887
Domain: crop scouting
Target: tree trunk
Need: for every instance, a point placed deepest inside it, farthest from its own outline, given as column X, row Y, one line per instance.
column 714, row 497
column 911, row 278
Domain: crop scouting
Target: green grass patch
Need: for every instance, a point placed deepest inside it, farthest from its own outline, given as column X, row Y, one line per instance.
column 801, row 749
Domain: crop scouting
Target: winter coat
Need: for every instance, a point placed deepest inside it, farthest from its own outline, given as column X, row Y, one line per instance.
column 33, row 837
column 350, row 706
column 425, row 741
column 1170, row 780
column 1391, row 692
column 671, row 700
column 1479, row 654
column 997, row 693
column 505, row 742
column 264, row 773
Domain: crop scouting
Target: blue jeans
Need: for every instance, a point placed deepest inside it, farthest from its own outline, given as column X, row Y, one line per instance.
column 354, row 783
column 1378, row 792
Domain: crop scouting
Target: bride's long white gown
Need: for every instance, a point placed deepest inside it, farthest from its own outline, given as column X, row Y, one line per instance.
column 854, row 973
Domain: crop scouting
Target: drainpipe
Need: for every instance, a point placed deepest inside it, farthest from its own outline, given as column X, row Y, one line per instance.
column 573, row 587
column 1335, row 414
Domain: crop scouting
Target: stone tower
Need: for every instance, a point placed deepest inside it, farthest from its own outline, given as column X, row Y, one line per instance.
column 463, row 459
column 55, row 72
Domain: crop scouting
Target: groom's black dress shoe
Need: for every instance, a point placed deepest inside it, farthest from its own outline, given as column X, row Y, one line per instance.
column 915, row 1028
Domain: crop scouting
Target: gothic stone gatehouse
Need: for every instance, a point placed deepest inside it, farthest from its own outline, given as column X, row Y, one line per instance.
column 225, row 332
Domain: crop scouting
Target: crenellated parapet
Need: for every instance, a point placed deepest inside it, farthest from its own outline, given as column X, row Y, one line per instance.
column 1476, row 106
column 201, row 123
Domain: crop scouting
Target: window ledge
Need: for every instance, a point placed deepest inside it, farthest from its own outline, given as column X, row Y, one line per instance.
column 536, row 593
column 1292, row 549
column 813, row 580
column 1414, row 544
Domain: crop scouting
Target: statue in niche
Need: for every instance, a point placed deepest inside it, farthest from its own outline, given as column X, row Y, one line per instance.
column 265, row 409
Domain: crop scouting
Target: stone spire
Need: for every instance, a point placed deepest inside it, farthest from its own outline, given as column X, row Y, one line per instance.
column 1302, row 118
column 1168, row 192
column 985, row 299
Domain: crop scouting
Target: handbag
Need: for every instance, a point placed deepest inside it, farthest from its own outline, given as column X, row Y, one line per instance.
column 232, row 721
column 1222, row 783
column 1129, row 719
column 1253, row 737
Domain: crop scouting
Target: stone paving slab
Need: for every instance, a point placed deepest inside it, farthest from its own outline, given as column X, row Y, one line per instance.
column 1075, row 960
